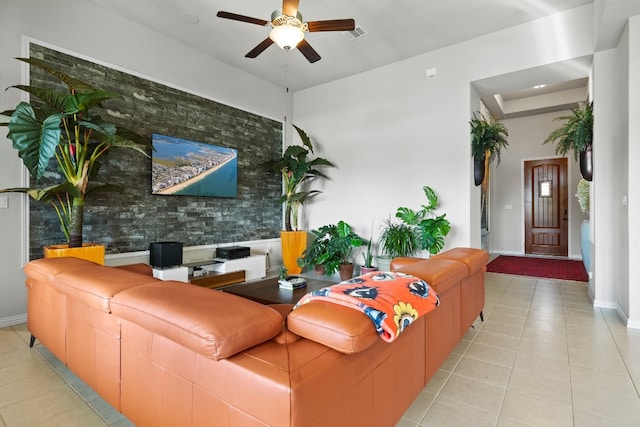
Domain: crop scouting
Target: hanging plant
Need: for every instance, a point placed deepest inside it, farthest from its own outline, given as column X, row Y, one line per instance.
column 488, row 139
column 576, row 135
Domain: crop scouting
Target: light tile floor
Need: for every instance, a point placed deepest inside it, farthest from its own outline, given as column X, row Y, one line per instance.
column 543, row 357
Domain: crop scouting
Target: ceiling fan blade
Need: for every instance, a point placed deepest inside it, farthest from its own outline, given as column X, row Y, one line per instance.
column 260, row 48
column 332, row 25
column 241, row 18
column 308, row 52
column 290, row 7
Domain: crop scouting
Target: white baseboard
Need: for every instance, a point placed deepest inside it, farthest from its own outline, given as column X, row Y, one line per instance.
column 13, row 320
column 630, row 323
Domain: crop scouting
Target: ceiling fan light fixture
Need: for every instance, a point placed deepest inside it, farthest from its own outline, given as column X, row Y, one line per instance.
column 286, row 36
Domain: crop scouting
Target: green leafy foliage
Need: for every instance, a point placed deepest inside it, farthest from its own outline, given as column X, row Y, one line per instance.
column 296, row 169
column 332, row 247
column 489, row 136
column 62, row 127
column 577, row 132
column 415, row 230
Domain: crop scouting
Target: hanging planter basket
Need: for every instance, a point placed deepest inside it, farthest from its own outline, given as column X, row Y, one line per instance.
column 586, row 163
column 478, row 170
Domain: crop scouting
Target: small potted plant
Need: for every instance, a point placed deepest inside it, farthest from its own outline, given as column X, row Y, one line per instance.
column 488, row 138
column 396, row 240
column 332, row 249
column 576, row 135
column 339, row 249
column 367, row 257
column 297, row 169
column 63, row 127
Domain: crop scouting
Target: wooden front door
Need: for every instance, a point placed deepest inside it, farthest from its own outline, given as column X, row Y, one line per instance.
column 546, row 207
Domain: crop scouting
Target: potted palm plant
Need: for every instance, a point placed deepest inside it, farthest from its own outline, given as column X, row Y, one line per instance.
column 62, row 127
column 576, row 135
column 488, row 139
column 297, row 170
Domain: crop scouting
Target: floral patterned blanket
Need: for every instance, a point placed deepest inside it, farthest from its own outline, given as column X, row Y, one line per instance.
column 391, row 300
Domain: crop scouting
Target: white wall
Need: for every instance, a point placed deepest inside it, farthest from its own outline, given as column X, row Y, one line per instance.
column 526, row 135
column 392, row 130
column 78, row 28
column 633, row 196
column 611, row 120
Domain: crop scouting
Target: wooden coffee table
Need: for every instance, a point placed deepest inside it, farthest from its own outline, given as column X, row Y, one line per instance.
column 266, row 291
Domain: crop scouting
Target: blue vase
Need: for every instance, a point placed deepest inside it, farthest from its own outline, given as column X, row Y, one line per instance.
column 585, row 244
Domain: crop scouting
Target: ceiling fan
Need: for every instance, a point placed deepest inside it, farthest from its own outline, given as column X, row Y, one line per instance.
column 288, row 28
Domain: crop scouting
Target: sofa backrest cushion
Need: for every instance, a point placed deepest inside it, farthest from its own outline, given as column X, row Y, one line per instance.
column 210, row 322
column 46, row 269
column 95, row 285
column 475, row 259
column 441, row 274
column 340, row 328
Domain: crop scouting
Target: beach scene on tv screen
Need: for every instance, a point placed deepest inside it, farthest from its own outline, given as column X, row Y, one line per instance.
column 189, row 168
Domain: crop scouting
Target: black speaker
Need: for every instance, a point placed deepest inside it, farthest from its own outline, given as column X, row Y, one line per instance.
column 165, row 254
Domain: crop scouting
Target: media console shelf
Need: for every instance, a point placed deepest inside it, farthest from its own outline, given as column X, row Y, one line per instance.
column 213, row 279
column 220, row 272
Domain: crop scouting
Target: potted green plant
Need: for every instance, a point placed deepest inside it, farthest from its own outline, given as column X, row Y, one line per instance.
column 412, row 230
column 314, row 255
column 488, row 139
column 367, row 258
column 297, row 170
column 576, row 135
column 63, row 126
column 429, row 229
column 397, row 239
column 339, row 249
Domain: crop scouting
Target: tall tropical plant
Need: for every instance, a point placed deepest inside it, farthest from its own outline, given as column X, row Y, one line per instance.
column 297, row 169
column 62, row 126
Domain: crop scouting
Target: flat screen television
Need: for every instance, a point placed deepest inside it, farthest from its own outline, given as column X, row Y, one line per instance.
column 180, row 167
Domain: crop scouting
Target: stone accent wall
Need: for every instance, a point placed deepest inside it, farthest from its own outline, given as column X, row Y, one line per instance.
column 129, row 221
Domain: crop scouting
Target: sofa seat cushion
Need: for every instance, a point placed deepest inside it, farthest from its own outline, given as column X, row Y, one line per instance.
column 475, row 259
column 340, row 328
column 212, row 323
column 95, row 285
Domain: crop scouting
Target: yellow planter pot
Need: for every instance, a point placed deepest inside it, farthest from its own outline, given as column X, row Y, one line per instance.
column 89, row 251
column 293, row 244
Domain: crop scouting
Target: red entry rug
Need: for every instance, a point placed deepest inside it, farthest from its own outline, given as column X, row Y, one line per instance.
column 539, row 267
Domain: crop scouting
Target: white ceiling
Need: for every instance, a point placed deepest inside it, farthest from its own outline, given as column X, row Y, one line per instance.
column 395, row 30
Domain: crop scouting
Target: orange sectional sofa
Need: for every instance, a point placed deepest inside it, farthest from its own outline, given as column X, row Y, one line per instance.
column 173, row 354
